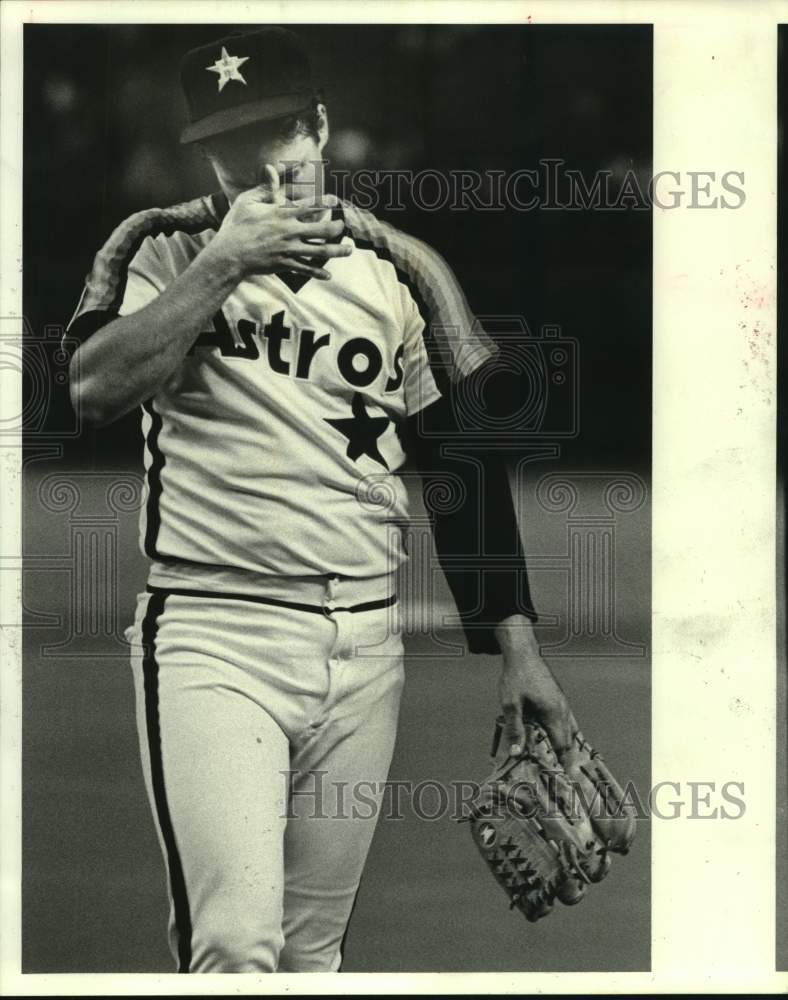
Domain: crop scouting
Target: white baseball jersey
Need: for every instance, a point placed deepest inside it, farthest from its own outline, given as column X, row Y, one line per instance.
column 262, row 447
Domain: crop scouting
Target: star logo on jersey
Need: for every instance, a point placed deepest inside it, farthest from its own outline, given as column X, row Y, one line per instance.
column 362, row 431
column 228, row 68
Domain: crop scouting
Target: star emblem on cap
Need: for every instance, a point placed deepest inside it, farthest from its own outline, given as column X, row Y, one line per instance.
column 228, row 68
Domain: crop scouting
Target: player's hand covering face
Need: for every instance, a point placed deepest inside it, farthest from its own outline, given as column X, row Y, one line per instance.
column 239, row 159
column 264, row 232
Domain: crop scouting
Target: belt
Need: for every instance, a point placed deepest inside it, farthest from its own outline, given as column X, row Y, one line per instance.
column 327, row 608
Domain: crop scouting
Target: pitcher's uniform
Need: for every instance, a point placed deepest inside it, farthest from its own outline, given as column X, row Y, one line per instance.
column 266, row 641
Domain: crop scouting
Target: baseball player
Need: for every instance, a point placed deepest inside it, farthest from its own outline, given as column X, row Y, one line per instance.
column 288, row 352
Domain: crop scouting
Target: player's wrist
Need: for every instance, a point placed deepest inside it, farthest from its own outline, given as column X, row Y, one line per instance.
column 516, row 634
column 222, row 261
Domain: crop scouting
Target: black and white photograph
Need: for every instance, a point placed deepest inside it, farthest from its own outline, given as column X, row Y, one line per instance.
column 359, row 297
column 342, row 574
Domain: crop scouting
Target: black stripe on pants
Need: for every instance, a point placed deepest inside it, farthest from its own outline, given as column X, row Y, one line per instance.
column 150, row 667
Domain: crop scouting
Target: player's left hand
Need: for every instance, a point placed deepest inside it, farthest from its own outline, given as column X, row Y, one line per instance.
column 528, row 690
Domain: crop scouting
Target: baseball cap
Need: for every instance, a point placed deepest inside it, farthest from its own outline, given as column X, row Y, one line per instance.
column 246, row 77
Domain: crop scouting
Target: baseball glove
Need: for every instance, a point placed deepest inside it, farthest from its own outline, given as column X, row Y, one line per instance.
column 532, row 830
column 612, row 816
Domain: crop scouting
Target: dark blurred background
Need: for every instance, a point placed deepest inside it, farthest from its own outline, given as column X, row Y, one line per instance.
column 103, row 112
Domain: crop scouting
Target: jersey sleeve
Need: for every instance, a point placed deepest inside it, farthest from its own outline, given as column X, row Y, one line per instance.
column 133, row 266
column 144, row 277
column 147, row 277
column 443, row 341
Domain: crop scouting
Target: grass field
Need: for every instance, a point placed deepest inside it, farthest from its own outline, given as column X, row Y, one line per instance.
column 94, row 895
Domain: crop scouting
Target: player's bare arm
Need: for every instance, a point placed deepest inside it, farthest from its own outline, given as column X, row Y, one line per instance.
column 129, row 359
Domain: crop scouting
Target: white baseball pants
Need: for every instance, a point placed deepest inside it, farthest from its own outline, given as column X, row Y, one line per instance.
column 267, row 725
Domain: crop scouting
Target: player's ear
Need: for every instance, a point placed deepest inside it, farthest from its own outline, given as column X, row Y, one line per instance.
column 322, row 125
column 204, row 151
